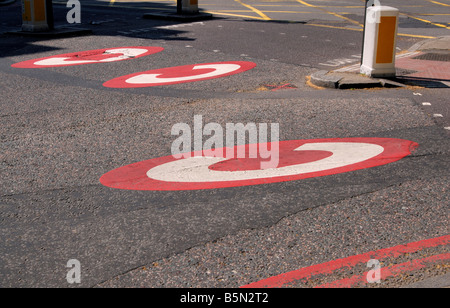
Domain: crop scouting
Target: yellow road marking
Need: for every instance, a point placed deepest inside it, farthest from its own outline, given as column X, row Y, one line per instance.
column 360, row 30
column 234, row 15
column 438, row 3
column 282, row 12
column 331, row 13
column 333, row 27
column 263, row 16
column 416, row 36
column 426, row 21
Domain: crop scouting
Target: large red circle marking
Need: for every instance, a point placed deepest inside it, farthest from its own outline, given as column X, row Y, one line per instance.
column 180, row 74
column 104, row 55
column 298, row 159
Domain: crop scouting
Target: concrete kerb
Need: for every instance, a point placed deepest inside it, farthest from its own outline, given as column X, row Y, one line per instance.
column 325, row 80
column 338, row 80
column 439, row 43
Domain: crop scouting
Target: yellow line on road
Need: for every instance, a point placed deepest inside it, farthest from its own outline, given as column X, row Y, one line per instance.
column 426, row 21
column 416, row 36
column 333, row 27
column 263, row 16
column 438, row 3
column 360, row 30
column 234, row 15
column 331, row 13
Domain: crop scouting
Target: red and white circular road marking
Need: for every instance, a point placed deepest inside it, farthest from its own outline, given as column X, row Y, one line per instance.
column 105, row 55
column 298, row 159
column 180, row 74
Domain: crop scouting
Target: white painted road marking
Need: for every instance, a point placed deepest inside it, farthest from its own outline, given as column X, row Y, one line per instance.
column 180, row 74
column 106, row 55
column 126, row 53
column 219, row 69
column 196, row 169
column 298, row 159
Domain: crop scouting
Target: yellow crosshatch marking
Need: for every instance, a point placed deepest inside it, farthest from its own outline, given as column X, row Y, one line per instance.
column 305, row 10
column 329, row 12
column 263, row 16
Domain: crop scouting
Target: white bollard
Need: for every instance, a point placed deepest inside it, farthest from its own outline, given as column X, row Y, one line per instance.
column 189, row 6
column 34, row 16
column 380, row 42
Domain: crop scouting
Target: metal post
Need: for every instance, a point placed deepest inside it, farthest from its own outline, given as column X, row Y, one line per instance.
column 364, row 30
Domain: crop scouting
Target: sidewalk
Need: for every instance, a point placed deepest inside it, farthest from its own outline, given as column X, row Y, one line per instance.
column 431, row 63
column 426, row 64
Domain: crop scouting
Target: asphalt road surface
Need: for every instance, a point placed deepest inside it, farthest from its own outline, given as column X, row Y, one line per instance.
column 62, row 130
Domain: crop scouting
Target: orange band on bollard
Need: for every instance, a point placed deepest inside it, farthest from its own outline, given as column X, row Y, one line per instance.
column 386, row 39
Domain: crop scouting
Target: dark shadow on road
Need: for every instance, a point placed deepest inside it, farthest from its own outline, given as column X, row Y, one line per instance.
column 101, row 17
